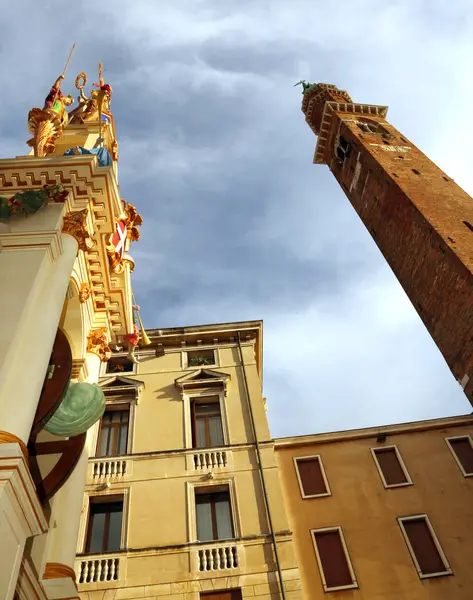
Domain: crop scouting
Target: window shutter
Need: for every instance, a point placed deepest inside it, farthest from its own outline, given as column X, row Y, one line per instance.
column 312, row 480
column 390, row 466
column 423, row 546
column 464, row 453
column 333, row 559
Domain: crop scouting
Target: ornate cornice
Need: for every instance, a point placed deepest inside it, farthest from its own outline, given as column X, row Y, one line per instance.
column 75, row 224
column 97, row 343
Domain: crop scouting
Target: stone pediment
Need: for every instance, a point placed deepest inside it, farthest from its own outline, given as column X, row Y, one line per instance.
column 202, row 378
column 120, row 381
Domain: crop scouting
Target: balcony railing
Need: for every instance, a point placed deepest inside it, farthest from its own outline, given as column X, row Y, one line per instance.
column 98, row 569
column 220, row 558
column 210, row 459
column 108, row 468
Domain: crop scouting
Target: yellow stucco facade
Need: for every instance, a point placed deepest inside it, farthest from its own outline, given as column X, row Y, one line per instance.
column 358, row 502
column 160, row 474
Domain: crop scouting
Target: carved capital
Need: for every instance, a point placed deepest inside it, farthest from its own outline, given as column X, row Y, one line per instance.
column 84, row 292
column 97, row 344
column 75, row 224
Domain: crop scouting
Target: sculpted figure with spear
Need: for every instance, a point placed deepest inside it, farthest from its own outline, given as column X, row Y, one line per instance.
column 47, row 123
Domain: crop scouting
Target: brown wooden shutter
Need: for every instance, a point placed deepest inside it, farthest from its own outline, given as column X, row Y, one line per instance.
column 310, row 473
column 423, row 546
column 464, row 453
column 333, row 558
column 390, row 466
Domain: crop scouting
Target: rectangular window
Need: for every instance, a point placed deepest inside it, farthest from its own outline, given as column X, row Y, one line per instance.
column 113, row 433
column 104, row 529
column 226, row 595
column 311, row 476
column 462, row 450
column 120, row 364
column 428, row 557
column 200, row 358
column 391, row 467
column 207, row 431
column 335, row 567
column 214, row 515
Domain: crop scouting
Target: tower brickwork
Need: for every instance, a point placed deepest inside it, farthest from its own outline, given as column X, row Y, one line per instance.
column 421, row 220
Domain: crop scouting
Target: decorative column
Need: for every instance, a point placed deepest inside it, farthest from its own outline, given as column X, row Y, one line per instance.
column 30, row 320
column 36, row 262
column 59, row 576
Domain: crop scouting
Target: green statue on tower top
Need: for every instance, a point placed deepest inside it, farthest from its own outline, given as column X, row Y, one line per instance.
column 305, row 85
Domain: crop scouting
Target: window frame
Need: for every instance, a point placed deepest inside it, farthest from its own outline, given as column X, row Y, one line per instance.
column 115, row 407
column 200, row 400
column 212, row 504
column 106, row 374
column 122, row 494
column 401, row 462
column 448, row 569
column 304, row 496
column 127, row 402
column 354, row 584
column 188, row 398
column 457, row 460
column 192, row 512
column 184, row 357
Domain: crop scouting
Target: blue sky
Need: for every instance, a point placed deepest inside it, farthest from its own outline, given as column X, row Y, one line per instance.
column 239, row 224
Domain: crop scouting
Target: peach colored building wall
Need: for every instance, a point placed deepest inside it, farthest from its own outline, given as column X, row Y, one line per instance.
column 368, row 512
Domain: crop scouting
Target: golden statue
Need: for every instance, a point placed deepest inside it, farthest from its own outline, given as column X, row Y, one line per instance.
column 47, row 123
column 91, row 108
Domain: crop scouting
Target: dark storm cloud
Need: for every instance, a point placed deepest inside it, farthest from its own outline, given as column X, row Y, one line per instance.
column 238, row 223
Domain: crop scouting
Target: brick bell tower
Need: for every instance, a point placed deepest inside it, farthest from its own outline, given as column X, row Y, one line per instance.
column 421, row 220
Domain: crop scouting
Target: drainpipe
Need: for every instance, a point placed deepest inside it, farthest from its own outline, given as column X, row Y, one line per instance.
column 260, row 466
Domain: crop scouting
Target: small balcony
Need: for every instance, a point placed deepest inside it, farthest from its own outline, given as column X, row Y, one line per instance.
column 210, row 459
column 98, row 569
column 222, row 557
column 105, row 469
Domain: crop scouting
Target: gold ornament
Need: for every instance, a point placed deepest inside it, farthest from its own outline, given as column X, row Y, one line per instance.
column 74, row 224
column 84, row 292
column 97, row 344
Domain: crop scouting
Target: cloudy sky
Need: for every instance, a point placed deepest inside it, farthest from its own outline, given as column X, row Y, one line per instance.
column 239, row 224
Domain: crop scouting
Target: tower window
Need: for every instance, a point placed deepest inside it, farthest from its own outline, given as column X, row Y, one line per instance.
column 342, row 149
column 416, row 171
column 469, row 225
